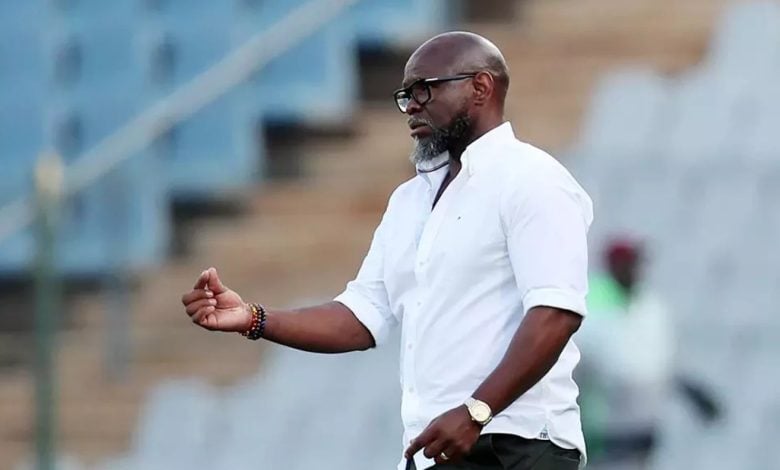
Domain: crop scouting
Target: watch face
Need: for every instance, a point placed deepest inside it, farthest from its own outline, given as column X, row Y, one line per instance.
column 480, row 412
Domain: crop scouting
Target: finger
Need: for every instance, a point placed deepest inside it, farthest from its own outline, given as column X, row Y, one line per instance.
column 214, row 283
column 193, row 307
column 418, row 443
column 202, row 312
column 452, row 452
column 202, row 281
column 196, row 294
column 434, row 449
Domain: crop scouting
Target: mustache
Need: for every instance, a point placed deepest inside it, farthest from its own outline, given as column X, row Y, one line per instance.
column 419, row 121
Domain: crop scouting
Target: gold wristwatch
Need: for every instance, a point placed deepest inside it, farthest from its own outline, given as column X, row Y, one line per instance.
column 479, row 410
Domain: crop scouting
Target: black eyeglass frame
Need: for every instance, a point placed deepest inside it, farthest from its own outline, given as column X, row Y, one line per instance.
column 398, row 95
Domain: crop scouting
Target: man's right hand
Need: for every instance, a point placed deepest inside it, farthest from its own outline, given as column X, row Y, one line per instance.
column 215, row 307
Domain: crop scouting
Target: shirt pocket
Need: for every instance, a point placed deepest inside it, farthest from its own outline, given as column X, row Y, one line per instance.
column 471, row 237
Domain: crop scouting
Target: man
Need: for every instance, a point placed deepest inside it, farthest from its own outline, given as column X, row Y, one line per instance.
column 628, row 372
column 628, row 344
column 481, row 258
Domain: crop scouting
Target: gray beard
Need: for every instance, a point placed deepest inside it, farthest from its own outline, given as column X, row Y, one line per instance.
column 427, row 149
column 441, row 140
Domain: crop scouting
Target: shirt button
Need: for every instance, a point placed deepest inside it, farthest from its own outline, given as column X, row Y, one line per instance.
column 409, row 346
column 419, row 303
column 411, row 390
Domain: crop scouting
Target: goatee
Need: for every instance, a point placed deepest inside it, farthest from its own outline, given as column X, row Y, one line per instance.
column 441, row 139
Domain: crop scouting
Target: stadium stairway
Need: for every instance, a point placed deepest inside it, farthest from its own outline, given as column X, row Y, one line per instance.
column 299, row 240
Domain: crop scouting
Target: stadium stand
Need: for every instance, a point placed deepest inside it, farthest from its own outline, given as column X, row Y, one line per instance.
column 690, row 169
column 678, row 160
column 22, row 79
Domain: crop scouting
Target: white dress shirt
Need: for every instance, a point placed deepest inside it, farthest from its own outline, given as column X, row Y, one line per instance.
column 508, row 234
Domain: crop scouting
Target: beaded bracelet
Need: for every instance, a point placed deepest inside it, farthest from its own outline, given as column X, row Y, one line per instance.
column 257, row 327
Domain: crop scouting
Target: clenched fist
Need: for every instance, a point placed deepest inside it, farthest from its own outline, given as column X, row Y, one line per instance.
column 215, row 307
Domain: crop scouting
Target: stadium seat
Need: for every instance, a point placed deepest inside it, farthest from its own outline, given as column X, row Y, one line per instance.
column 22, row 94
column 175, row 430
column 98, row 63
column 747, row 41
column 217, row 151
column 22, row 58
column 121, row 219
column 315, row 81
column 759, row 140
column 90, row 86
column 215, row 154
column 625, row 116
column 22, row 87
column 16, row 17
column 377, row 22
column 94, row 59
column 334, row 437
column 704, row 118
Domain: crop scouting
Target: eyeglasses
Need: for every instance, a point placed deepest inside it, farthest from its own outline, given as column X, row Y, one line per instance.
column 420, row 91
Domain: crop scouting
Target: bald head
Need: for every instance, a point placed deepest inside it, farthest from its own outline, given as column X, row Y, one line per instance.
column 461, row 51
column 454, row 89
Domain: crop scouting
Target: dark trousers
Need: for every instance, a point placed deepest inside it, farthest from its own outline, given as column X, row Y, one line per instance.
column 508, row 452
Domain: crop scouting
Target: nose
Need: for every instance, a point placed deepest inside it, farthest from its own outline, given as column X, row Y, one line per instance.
column 413, row 108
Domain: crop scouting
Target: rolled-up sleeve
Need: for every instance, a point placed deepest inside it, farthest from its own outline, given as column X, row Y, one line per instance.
column 366, row 295
column 547, row 222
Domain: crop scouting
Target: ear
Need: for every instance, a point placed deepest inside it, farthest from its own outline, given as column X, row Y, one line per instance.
column 484, row 85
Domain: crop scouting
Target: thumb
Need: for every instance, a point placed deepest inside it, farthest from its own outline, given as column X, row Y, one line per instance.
column 215, row 284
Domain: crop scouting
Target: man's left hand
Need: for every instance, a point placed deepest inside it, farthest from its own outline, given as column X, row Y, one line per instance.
column 448, row 438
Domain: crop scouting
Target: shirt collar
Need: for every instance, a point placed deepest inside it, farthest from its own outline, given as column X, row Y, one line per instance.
column 432, row 170
column 472, row 158
column 475, row 154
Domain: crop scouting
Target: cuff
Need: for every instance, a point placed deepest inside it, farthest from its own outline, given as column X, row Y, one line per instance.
column 557, row 298
column 367, row 314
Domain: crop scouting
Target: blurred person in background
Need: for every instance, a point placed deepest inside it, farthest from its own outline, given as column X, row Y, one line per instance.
column 482, row 259
column 627, row 347
column 628, row 373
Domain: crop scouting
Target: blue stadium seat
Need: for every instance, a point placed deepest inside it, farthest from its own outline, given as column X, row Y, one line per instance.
column 208, row 16
column 93, row 89
column 21, row 16
column 93, row 12
column 21, row 137
column 22, row 92
column 22, row 61
column 381, row 22
column 215, row 154
column 121, row 219
column 99, row 63
column 315, row 81
column 22, row 71
column 217, row 151
column 96, row 86
column 94, row 59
